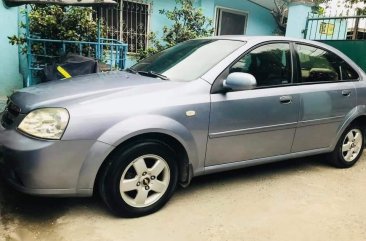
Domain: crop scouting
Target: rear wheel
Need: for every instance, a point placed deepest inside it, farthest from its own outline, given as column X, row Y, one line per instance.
column 139, row 180
column 349, row 148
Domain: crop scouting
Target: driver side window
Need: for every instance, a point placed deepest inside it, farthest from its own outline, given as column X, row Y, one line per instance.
column 270, row 64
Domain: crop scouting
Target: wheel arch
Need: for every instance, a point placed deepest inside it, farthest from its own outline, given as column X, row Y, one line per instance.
column 127, row 132
column 356, row 115
column 177, row 146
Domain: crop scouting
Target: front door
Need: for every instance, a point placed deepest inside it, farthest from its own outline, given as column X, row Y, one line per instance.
column 251, row 124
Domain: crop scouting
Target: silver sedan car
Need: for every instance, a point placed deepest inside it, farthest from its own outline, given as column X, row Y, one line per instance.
column 203, row 106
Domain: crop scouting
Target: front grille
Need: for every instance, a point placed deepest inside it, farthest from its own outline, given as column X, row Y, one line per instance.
column 10, row 114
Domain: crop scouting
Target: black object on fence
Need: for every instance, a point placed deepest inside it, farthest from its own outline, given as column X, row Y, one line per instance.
column 73, row 65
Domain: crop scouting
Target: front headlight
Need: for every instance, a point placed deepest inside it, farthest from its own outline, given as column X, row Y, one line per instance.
column 47, row 123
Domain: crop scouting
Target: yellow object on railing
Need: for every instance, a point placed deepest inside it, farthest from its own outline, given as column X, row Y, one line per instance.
column 63, row 72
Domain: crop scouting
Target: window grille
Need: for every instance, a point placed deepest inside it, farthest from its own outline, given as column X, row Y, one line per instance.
column 129, row 23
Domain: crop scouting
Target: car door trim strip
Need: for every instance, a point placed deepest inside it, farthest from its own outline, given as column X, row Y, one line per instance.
column 321, row 121
column 253, row 130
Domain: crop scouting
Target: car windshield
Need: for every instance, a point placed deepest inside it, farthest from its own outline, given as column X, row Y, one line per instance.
column 187, row 61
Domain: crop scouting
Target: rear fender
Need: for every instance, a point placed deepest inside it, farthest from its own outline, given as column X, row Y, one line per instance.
column 355, row 113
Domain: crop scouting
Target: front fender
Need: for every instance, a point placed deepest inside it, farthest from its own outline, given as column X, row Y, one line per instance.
column 127, row 129
column 138, row 125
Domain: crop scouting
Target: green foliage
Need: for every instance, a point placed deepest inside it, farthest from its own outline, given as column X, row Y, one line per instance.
column 348, row 3
column 55, row 22
column 59, row 23
column 188, row 22
column 354, row 1
column 317, row 9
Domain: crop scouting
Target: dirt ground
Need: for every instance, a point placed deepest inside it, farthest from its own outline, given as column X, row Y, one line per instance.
column 302, row 199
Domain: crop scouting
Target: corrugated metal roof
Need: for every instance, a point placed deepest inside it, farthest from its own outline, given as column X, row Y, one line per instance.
column 269, row 4
column 61, row 2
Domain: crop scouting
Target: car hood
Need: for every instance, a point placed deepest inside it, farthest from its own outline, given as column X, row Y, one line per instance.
column 81, row 88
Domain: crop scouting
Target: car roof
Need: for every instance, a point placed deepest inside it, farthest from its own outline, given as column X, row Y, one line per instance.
column 263, row 39
column 254, row 40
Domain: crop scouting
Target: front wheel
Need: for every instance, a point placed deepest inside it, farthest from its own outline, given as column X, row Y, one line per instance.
column 349, row 147
column 139, row 180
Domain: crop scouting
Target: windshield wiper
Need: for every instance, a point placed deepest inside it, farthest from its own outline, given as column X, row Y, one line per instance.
column 147, row 73
column 131, row 71
column 153, row 74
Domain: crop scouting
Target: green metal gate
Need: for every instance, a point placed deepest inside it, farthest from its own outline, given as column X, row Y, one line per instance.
column 354, row 49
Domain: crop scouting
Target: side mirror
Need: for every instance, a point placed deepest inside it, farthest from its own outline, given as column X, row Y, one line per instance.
column 240, row 81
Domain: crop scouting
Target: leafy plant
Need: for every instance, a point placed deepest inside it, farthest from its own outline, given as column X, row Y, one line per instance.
column 59, row 23
column 346, row 4
column 188, row 22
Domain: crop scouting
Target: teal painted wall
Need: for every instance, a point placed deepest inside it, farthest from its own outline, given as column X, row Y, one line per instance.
column 157, row 21
column 296, row 22
column 10, row 78
column 260, row 19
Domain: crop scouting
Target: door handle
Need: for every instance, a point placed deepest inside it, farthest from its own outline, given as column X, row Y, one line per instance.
column 286, row 99
column 346, row 92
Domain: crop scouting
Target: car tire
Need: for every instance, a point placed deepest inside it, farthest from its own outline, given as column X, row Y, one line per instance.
column 140, row 179
column 349, row 147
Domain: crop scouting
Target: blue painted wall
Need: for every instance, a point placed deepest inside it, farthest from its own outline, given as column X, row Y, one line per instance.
column 10, row 78
column 296, row 21
column 157, row 21
column 260, row 19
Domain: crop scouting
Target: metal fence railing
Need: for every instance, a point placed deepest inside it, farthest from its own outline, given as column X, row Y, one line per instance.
column 111, row 54
column 335, row 27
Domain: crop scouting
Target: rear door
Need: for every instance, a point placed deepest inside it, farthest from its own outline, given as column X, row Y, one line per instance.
column 327, row 94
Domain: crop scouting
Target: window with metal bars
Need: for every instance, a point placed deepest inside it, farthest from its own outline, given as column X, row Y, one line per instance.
column 129, row 23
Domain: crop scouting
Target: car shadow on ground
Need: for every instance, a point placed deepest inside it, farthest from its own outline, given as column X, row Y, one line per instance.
column 16, row 205
column 33, row 209
column 257, row 173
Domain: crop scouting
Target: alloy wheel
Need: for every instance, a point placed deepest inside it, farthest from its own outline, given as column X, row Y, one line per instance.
column 145, row 181
column 352, row 145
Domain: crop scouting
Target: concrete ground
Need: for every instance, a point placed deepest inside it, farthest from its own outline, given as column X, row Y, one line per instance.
column 302, row 199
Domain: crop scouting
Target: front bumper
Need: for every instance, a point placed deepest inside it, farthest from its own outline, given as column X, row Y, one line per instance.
column 42, row 167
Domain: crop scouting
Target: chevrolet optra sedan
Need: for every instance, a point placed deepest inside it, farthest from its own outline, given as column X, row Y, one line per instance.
column 203, row 106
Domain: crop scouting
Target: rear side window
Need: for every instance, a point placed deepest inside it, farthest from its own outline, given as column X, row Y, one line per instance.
column 319, row 65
